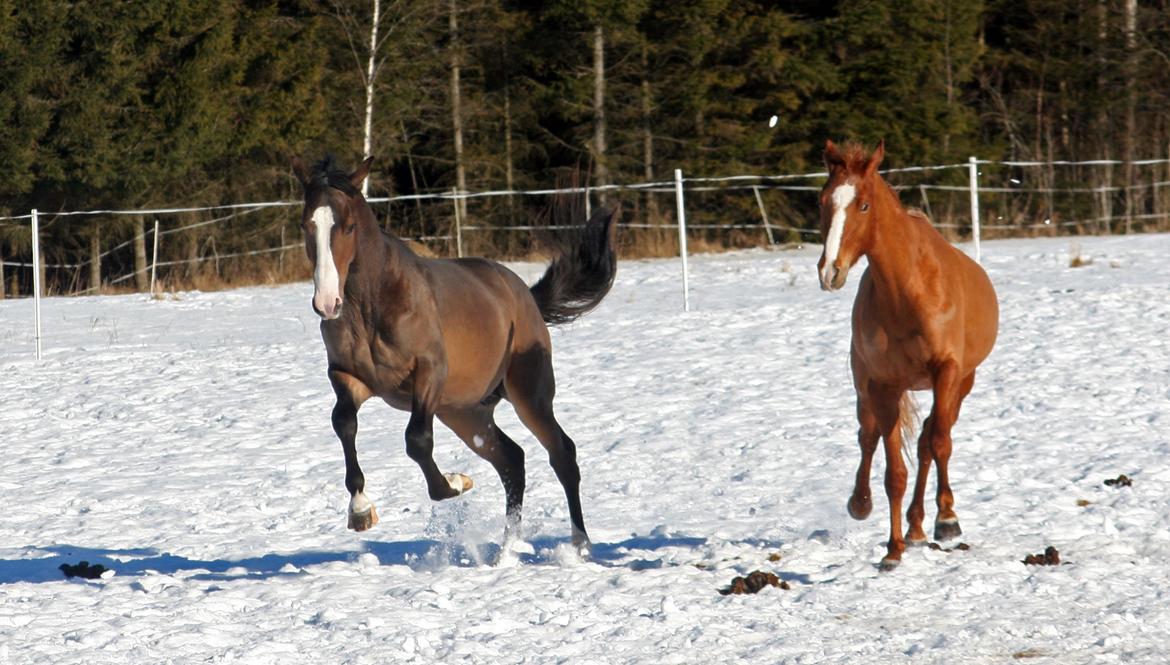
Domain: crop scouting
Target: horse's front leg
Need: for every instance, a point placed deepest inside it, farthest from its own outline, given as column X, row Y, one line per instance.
column 888, row 409
column 350, row 395
column 420, row 440
column 860, row 502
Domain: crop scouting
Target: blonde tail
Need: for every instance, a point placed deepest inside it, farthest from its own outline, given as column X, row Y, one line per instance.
column 908, row 421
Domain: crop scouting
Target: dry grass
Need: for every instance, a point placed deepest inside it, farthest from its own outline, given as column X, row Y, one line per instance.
column 1077, row 259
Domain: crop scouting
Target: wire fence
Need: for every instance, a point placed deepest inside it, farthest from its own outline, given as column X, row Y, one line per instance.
column 1012, row 197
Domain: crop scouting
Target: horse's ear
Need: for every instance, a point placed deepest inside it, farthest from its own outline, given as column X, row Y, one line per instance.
column 299, row 169
column 875, row 160
column 833, row 156
column 359, row 176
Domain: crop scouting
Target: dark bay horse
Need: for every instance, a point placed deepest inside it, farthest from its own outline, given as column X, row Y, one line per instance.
column 446, row 338
column 925, row 316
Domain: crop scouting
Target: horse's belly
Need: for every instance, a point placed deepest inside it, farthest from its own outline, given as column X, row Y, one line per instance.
column 896, row 361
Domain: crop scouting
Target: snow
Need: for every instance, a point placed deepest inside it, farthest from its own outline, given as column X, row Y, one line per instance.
column 185, row 444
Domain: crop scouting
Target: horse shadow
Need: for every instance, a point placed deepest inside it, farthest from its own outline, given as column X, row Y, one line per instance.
column 44, row 563
column 141, row 562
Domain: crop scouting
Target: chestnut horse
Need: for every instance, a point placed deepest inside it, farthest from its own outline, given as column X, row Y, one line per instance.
column 446, row 338
column 925, row 316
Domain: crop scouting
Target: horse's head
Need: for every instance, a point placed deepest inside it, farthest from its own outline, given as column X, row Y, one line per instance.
column 333, row 201
column 846, row 221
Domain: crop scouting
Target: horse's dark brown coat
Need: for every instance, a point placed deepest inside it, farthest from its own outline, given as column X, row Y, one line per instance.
column 449, row 338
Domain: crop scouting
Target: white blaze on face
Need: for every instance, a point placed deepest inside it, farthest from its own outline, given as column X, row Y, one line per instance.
column 326, row 282
column 841, row 199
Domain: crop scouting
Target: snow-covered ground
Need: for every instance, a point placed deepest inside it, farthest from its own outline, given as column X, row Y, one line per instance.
column 185, row 444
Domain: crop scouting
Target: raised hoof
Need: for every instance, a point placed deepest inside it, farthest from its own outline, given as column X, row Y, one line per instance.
column 364, row 520
column 459, row 482
column 888, row 564
column 859, row 509
column 947, row 530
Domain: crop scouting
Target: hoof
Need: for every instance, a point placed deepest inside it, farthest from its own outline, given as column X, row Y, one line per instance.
column 916, row 541
column 581, row 542
column 888, row 564
column 364, row 520
column 947, row 530
column 859, row 509
column 459, row 482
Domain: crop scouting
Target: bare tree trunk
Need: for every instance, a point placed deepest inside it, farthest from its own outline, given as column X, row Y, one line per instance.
column 413, row 177
column 192, row 267
column 95, row 258
column 950, row 85
column 1166, row 193
column 1106, row 195
column 599, row 165
column 1105, row 212
column 1048, row 199
column 1130, row 111
column 508, row 176
column 140, row 278
column 456, row 111
column 367, row 143
column 648, row 137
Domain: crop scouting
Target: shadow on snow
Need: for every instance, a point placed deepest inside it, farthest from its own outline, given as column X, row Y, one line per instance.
column 42, row 564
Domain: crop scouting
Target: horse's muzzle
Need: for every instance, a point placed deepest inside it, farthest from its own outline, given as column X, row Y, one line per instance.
column 833, row 278
column 327, row 310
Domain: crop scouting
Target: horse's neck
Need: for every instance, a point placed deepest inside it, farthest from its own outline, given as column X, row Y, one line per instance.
column 895, row 253
column 379, row 262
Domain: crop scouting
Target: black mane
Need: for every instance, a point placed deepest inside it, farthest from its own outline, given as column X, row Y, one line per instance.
column 327, row 173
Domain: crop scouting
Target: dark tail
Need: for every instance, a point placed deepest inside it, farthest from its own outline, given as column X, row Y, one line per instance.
column 582, row 274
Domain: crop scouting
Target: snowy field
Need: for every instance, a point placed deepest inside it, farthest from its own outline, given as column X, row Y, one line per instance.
column 185, row 445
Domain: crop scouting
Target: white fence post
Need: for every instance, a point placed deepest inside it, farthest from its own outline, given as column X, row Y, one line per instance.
column 973, row 168
column 154, row 260
column 36, row 252
column 682, row 236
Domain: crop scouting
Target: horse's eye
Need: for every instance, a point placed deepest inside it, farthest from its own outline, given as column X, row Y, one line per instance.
column 864, row 207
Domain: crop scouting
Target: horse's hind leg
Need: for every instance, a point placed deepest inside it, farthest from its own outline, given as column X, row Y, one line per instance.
column 477, row 428
column 917, row 511
column 946, row 523
column 350, row 395
column 530, row 387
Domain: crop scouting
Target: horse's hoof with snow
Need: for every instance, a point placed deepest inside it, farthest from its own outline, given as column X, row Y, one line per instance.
column 859, row 509
column 888, row 564
column 581, row 542
column 459, row 482
column 364, row 520
column 947, row 529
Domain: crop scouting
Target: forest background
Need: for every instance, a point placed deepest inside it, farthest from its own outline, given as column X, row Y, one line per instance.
column 136, row 105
